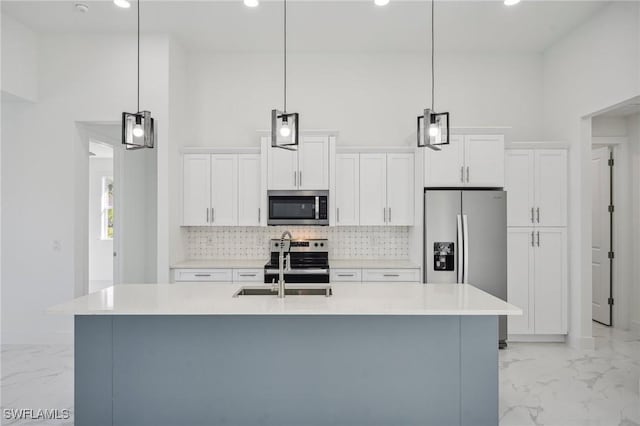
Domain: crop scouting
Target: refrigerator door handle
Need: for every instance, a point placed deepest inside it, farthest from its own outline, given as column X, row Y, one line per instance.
column 465, row 228
column 459, row 251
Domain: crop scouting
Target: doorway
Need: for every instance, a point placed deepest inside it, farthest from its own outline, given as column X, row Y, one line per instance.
column 101, row 215
column 602, row 254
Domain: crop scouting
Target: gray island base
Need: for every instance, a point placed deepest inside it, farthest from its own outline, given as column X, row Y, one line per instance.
column 280, row 370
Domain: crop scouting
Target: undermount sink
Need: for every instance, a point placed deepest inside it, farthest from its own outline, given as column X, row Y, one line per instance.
column 323, row 290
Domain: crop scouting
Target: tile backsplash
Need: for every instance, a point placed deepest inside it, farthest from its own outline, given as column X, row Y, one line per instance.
column 346, row 242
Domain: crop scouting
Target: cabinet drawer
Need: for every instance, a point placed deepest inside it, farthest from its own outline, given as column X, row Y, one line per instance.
column 248, row 275
column 203, row 275
column 397, row 275
column 346, row 275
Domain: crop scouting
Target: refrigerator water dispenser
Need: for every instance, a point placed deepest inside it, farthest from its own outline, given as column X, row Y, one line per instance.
column 443, row 256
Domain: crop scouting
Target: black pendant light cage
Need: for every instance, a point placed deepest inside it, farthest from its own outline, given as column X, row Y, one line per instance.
column 138, row 129
column 285, row 125
column 433, row 127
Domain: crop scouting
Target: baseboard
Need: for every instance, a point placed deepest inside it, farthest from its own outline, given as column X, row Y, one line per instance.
column 537, row 338
column 634, row 327
column 581, row 342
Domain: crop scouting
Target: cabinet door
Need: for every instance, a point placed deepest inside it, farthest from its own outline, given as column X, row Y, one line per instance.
column 282, row 168
column 313, row 163
column 520, row 278
column 519, row 183
column 373, row 189
column 400, row 189
column 444, row 168
column 347, row 189
column 196, row 189
column 550, row 278
column 249, row 190
column 224, row 190
column 484, row 161
column 551, row 187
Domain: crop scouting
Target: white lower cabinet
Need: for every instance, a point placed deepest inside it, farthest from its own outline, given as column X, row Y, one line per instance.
column 391, row 275
column 204, row 275
column 346, row 275
column 248, row 275
column 537, row 280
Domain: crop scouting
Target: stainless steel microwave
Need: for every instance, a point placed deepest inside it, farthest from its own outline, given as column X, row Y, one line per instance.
column 298, row 208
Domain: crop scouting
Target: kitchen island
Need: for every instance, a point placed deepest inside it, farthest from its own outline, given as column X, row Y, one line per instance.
column 370, row 354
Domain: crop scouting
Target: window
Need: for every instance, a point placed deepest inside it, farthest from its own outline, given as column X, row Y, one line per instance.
column 106, row 208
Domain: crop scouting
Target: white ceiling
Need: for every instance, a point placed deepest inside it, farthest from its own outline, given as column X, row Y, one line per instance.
column 339, row 26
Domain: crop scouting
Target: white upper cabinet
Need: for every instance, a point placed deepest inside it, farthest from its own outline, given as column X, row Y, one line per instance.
column 283, row 168
column 445, row 168
column 249, row 190
column 519, row 184
column 224, row 190
column 468, row 161
column 536, row 184
column 196, row 193
column 221, row 190
column 400, row 189
column 484, row 161
column 347, row 192
column 386, row 189
column 313, row 163
column 373, row 189
column 307, row 167
column 551, row 187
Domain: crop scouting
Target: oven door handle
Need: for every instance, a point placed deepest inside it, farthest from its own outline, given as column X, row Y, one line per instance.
column 295, row 271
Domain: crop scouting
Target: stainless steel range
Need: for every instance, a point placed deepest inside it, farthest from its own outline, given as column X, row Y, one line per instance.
column 309, row 262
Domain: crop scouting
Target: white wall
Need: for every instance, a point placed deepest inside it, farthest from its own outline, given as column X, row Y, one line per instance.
column 100, row 250
column 19, row 59
column 371, row 99
column 90, row 79
column 593, row 67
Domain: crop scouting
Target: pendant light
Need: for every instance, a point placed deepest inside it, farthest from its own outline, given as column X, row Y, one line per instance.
column 138, row 128
column 433, row 127
column 284, row 125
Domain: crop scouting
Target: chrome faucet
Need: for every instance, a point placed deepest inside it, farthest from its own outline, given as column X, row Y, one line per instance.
column 284, row 262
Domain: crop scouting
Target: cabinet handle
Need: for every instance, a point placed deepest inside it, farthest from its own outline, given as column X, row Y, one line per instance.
column 391, row 275
column 389, row 214
column 384, row 213
column 248, row 275
column 538, row 214
column 532, row 241
column 346, row 275
column 207, row 214
column 532, row 221
column 300, row 180
column 202, row 275
column 337, row 214
column 213, row 215
column 259, row 215
column 467, row 174
column 538, row 238
column 462, row 174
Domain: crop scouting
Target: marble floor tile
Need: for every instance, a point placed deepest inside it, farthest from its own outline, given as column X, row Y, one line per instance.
column 547, row 384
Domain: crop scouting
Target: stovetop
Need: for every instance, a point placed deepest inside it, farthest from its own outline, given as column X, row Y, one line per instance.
column 304, row 254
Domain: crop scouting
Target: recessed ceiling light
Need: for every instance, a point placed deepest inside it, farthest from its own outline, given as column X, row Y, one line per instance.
column 511, row 2
column 125, row 4
column 381, row 2
column 251, row 3
column 82, row 7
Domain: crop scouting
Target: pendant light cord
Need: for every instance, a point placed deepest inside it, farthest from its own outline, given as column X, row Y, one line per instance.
column 285, row 56
column 138, row 56
column 433, row 32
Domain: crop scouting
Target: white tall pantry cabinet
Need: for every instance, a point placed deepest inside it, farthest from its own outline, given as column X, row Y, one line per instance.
column 536, row 185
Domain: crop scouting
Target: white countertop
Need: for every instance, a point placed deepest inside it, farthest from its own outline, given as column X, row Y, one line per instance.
column 347, row 299
column 259, row 263
column 371, row 264
column 221, row 263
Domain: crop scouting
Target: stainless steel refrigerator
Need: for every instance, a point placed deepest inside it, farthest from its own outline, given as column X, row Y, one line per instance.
column 465, row 241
